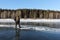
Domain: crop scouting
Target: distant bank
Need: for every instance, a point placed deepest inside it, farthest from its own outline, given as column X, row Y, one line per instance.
column 29, row 13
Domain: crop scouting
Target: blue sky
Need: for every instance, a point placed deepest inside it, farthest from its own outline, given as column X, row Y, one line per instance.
column 35, row 4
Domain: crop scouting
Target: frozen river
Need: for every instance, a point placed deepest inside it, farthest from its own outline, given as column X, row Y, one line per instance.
column 30, row 32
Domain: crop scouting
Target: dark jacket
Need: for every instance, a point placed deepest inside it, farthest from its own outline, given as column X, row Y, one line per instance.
column 17, row 20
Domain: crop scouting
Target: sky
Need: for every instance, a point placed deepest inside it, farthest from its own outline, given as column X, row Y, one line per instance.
column 30, row 4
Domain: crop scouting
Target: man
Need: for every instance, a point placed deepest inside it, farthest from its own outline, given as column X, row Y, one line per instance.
column 17, row 21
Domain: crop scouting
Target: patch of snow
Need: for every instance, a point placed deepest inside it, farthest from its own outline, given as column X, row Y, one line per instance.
column 41, row 28
column 7, row 26
column 31, row 20
column 40, row 20
column 6, row 20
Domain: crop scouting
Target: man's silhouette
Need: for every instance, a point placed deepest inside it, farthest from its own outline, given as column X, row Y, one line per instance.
column 17, row 21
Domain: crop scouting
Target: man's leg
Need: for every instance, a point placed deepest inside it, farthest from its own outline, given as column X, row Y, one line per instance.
column 19, row 25
column 15, row 25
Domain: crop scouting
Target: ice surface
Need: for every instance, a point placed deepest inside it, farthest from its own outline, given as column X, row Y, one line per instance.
column 36, row 28
column 41, row 28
